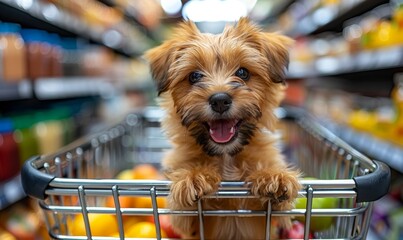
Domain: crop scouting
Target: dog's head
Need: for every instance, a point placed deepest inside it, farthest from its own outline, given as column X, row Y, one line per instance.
column 223, row 87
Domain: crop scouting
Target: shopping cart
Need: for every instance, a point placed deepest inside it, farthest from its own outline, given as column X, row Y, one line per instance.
column 76, row 180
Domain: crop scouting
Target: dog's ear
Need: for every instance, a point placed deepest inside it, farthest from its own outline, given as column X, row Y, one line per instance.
column 273, row 46
column 276, row 49
column 160, row 58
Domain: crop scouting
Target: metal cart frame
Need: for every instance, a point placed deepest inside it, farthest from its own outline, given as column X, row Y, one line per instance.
column 85, row 170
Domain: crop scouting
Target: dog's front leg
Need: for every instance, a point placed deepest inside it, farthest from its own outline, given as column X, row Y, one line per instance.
column 188, row 186
column 281, row 186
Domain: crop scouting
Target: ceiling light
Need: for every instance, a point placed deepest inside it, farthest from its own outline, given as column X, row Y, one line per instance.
column 171, row 7
column 214, row 10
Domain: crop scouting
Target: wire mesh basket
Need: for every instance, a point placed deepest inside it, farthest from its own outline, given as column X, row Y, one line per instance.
column 78, row 180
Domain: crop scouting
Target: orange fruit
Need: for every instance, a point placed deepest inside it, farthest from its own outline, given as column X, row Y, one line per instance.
column 145, row 171
column 162, row 202
column 146, row 202
column 143, row 230
column 100, row 224
column 125, row 202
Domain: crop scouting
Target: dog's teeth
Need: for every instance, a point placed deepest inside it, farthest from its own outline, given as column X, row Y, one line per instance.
column 232, row 130
column 211, row 131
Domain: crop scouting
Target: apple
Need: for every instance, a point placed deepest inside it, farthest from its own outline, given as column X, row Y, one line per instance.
column 165, row 223
column 295, row 232
column 318, row 223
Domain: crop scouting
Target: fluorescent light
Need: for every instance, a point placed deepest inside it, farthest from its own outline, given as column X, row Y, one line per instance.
column 171, row 7
column 214, row 10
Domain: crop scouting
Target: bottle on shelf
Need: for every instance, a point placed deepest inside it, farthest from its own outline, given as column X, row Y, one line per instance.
column 38, row 53
column 9, row 156
column 12, row 53
column 25, row 136
column 56, row 56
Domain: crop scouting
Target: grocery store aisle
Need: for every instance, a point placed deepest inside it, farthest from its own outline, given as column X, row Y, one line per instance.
column 70, row 68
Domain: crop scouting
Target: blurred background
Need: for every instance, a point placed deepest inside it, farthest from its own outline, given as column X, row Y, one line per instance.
column 68, row 68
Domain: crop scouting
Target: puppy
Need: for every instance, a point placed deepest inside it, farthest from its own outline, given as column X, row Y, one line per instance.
column 219, row 93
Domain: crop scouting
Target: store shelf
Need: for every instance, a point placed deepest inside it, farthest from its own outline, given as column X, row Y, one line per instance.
column 49, row 17
column 66, row 87
column 10, row 192
column 15, row 91
column 390, row 59
column 71, row 87
column 379, row 149
column 332, row 17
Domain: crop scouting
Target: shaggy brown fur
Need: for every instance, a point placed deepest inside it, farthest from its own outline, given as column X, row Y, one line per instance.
column 189, row 69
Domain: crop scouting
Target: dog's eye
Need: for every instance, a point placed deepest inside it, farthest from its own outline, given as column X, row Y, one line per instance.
column 242, row 73
column 194, row 77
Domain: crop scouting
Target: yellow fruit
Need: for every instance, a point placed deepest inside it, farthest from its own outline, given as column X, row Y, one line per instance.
column 6, row 235
column 143, row 230
column 125, row 175
column 130, row 221
column 362, row 120
column 100, row 224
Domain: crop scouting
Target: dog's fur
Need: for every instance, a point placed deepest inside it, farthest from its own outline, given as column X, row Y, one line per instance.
column 197, row 163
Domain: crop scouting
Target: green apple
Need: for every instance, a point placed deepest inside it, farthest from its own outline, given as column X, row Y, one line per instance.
column 318, row 223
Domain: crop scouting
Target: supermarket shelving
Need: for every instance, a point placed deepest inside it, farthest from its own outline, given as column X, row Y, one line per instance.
column 49, row 17
column 331, row 18
column 367, row 72
column 57, row 88
column 15, row 90
column 386, row 59
column 70, row 87
column 379, row 149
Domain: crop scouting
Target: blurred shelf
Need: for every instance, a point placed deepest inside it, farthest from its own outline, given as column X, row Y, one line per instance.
column 378, row 149
column 331, row 18
column 47, row 16
column 387, row 59
column 58, row 88
column 10, row 192
column 144, row 85
column 71, row 87
column 15, row 91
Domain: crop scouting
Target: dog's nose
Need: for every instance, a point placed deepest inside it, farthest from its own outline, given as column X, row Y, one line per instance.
column 220, row 102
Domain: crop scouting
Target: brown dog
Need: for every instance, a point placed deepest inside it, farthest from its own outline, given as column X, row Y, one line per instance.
column 219, row 92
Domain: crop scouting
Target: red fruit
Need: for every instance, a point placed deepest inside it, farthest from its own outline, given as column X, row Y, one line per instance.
column 166, row 226
column 295, row 232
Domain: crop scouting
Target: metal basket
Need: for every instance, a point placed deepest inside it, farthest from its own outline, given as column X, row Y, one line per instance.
column 77, row 179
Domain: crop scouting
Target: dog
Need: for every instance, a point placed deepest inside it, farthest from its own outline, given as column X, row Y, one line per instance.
column 219, row 93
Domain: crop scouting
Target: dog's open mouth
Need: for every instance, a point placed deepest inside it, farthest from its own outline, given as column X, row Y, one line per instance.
column 223, row 130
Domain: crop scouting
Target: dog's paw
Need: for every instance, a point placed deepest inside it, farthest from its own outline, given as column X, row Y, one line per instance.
column 189, row 189
column 281, row 187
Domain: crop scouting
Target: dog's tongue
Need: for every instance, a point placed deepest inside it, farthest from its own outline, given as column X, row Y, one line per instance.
column 222, row 131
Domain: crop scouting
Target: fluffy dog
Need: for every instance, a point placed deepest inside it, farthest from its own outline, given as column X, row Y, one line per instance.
column 219, row 93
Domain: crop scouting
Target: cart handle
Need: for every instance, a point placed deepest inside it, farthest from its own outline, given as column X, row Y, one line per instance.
column 368, row 187
column 372, row 187
column 34, row 182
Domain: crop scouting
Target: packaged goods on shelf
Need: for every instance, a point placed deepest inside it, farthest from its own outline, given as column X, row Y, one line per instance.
column 25, row 136
column 44, row 54
column 368, row 42
column 9, row 156
column 12, row 53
